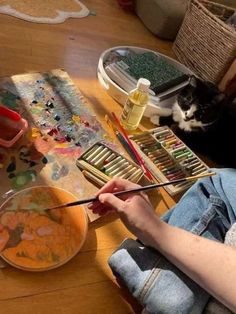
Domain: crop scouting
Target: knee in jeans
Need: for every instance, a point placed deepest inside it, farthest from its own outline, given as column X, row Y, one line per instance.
column 171, row 305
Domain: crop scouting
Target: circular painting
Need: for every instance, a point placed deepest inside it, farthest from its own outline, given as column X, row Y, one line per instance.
column 34, row 239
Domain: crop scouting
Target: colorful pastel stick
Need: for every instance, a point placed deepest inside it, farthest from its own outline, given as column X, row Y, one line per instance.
column 86, row 166
column 119, row 168
column 90, row 151
column 100, row 161
column 171, row 170
column 122, row 172
column 193, row 162
column 157, row 154
column 149, row 142
column 150, row 149
column 164, row 158
column 198, row 171
column 165, row 131
column 192, row 166
column 169, row 142
column 160, row 129
column 114, row 166
column 135, row 175
column 98, row 150
column 183, row 155
column 189, row 159
column 166, row 164
column 110, row 158
column 201, row 166
column 164, row 138
column 93, row 178
column 111, row 163
column 128, row 173
column 159, row 160
column 178, row 145
column 100, row 154
column 178, row 150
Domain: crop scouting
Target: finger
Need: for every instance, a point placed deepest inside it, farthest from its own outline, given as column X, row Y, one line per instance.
column 118, row 185
column 111, row 201
column 97, row 207
column 93, row 205
column 101, row 209
column 105, row 210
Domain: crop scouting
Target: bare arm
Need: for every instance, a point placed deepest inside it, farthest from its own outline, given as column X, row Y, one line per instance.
column 211, row 264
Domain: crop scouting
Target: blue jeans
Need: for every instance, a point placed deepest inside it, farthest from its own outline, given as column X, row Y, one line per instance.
column 207, row 209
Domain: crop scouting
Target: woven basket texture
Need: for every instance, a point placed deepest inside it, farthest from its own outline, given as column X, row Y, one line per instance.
column 205, row 43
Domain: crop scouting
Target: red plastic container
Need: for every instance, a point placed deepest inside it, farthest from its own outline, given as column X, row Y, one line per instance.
column 12, row 126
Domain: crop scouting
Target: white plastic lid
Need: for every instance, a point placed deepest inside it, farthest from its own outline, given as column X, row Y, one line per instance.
column 143, row 84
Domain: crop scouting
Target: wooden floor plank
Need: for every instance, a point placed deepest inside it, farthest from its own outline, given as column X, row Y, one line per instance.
column 85, row 284
column 102, row 297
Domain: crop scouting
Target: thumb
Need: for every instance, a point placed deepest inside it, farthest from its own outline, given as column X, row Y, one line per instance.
column 112, row 201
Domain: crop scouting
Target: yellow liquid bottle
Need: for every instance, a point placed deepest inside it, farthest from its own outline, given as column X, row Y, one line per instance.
column 135, row 105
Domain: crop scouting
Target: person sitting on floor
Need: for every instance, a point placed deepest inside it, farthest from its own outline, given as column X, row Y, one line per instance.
column 179, row 260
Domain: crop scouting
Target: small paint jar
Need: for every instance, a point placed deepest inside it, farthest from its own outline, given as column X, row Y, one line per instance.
column 12, row 127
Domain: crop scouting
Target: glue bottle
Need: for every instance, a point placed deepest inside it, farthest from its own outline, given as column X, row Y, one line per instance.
column 135, row 105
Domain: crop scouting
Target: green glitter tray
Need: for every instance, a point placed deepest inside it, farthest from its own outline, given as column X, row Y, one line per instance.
column 156, row 69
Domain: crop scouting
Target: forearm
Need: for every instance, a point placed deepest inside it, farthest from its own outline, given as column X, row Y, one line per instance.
column 211, row 264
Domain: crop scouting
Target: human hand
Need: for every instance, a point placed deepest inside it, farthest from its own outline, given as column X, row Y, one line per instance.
column 135, row 210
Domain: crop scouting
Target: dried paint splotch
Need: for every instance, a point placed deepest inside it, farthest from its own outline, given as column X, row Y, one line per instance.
column 34, row 239
column 57, row 108
column 61, row 125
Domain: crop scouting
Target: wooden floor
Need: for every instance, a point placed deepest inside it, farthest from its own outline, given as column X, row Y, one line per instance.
column 85, row 284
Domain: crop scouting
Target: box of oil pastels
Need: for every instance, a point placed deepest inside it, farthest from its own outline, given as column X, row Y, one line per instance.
column 101, row 163
column 168, row 157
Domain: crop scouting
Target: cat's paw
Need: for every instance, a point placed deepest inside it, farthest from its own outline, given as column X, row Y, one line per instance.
column 155, row 119
column 185, row 126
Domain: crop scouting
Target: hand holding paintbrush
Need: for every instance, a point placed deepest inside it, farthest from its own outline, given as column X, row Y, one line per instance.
column 135, row 189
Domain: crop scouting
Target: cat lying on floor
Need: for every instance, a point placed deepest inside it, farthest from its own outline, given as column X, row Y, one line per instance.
column 206, row 121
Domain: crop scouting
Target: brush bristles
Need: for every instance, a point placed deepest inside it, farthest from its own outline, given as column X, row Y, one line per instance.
column 199, row 176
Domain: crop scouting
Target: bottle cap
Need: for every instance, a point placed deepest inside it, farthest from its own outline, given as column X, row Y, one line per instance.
column 143, row 84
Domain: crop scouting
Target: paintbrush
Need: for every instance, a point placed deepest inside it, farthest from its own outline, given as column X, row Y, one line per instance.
column 143, row 166
column 135, row 190
column 120, row 138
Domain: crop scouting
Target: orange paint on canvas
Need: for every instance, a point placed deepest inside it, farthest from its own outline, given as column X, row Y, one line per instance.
column 36, row 240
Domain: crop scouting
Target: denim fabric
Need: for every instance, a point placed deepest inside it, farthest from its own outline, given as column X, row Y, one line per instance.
column 208, row 209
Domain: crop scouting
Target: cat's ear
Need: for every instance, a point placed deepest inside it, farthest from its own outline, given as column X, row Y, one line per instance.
column 192, row 81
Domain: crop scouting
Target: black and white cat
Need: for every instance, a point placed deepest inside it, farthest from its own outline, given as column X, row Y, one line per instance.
column 206, row 121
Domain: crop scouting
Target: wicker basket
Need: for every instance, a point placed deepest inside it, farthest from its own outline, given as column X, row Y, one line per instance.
column 205, row 43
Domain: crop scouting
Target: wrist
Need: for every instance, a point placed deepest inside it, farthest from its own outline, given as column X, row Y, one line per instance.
column 152, row 233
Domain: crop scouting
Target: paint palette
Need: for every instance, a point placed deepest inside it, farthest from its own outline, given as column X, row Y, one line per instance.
column 103, row 163
column 168, row 157
column 35, row 240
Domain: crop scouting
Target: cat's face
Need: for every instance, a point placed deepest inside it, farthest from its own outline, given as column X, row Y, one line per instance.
column 198, row 104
